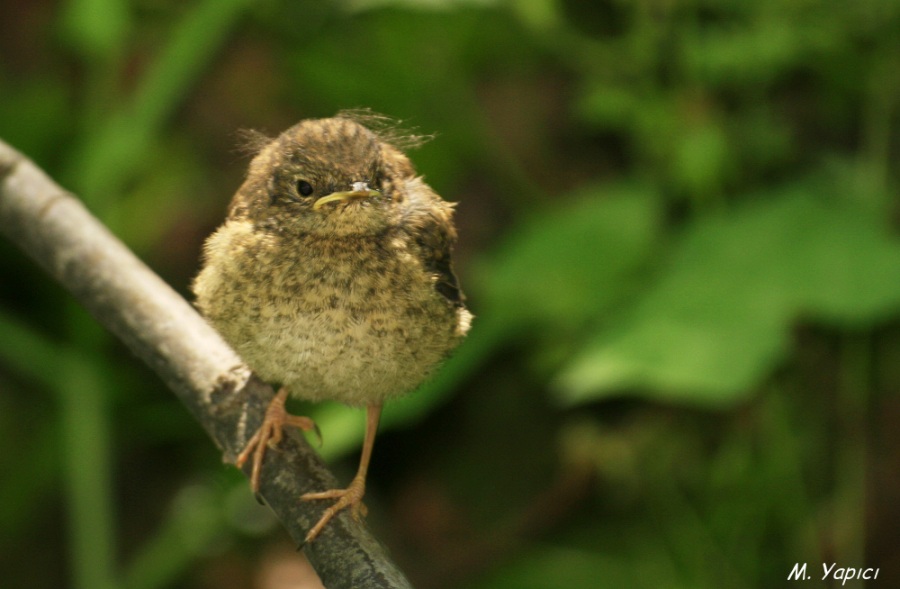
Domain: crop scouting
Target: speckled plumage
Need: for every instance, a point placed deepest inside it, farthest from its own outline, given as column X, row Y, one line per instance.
column 355, row 301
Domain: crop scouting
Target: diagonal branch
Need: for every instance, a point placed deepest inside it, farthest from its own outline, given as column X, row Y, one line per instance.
column 161, row 328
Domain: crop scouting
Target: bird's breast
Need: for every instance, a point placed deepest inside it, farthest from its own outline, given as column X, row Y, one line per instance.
column 356, row 319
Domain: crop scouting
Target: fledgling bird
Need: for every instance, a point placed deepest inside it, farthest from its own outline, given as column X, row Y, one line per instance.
column 332, row 277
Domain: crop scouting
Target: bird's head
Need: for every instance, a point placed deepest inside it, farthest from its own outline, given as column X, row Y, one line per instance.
column 333, row 176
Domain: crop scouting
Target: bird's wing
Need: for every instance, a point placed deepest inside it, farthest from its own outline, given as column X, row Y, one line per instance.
column 437, row 248
column 430, row 221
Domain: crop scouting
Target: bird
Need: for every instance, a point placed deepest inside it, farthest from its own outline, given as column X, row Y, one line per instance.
column 332, row 277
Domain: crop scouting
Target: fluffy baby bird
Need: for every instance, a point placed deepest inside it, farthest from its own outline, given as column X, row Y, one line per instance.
column 332, row 277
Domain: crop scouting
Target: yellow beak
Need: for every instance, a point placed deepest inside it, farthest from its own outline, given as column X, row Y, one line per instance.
column 359, row 190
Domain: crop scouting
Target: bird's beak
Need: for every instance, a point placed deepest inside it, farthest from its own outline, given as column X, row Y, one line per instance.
column 358, row 190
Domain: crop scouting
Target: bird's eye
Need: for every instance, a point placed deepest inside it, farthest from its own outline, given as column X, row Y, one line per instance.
column 304, row 188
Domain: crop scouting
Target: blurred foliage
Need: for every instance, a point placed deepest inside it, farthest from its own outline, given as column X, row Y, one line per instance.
column 718, row 316
column 679, row 237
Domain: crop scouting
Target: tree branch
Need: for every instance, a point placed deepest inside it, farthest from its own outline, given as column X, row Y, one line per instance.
column 162, row 329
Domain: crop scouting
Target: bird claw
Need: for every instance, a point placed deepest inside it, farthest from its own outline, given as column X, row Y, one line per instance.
column 269, row 435
column 350, row 497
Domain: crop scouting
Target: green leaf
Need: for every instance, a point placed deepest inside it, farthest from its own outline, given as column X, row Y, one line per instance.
column 717, row 321
column 701, row 157
column 113, row 152
column 97, row 28
column 572, row 263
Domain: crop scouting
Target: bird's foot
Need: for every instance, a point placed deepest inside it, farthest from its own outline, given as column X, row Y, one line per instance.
column 350, row 497
column 270, row 433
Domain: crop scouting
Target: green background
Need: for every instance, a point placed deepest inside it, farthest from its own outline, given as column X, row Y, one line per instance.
column 678, row 228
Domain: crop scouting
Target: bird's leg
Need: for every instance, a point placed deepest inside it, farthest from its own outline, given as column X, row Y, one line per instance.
column 270, row 433
column 351, row 496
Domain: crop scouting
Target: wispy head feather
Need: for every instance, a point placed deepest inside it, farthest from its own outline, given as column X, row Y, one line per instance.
column 250, row 142
column 387, row 129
